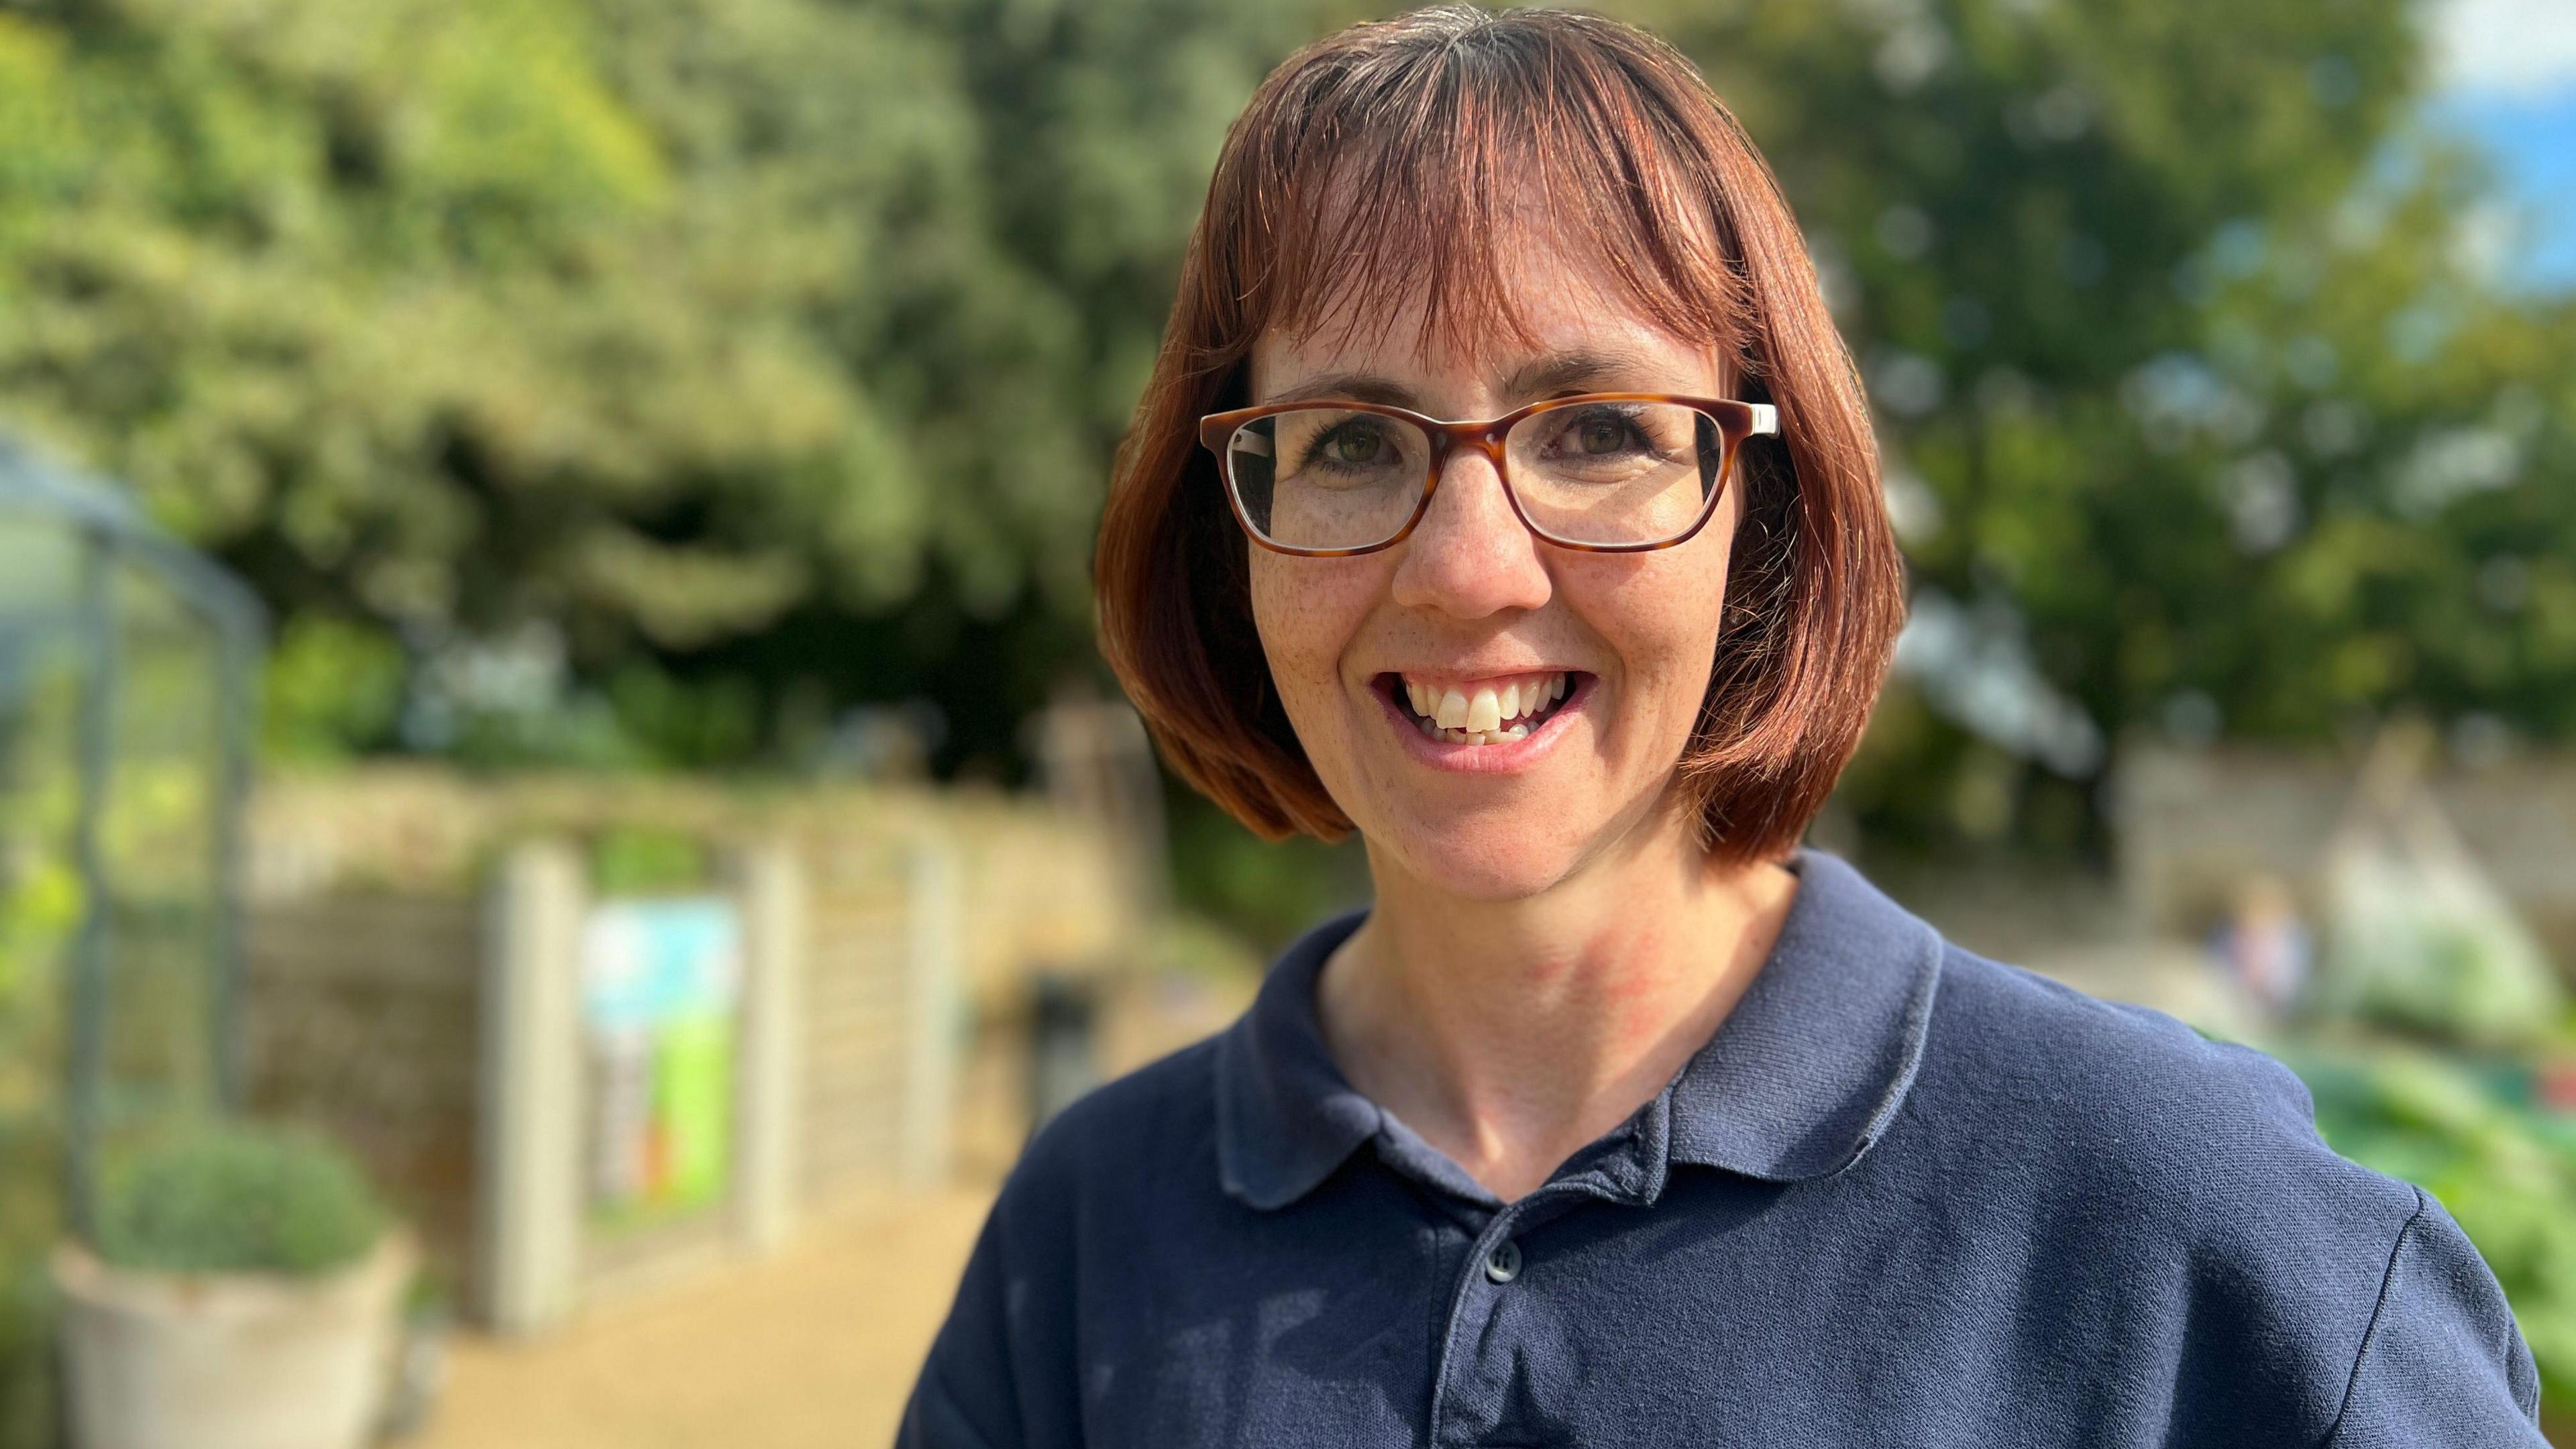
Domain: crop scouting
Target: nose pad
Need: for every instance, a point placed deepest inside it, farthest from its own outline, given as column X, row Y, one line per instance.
column 1471, row 482
column 1470, row 555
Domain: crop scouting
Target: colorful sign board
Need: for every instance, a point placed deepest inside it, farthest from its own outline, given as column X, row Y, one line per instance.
column 661, row 997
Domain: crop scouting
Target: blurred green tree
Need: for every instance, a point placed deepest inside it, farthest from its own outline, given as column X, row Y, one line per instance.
column 2204, row 406
column 651, row 324
column 646, row 380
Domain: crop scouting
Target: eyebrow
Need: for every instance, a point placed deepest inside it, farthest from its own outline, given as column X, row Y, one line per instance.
column 1575, row 371
column 1368, row 387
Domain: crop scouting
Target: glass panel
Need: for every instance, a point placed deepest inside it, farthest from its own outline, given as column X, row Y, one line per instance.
column 157, row 844
column 1615, row 473
column 41, row 900
column 1328, row 477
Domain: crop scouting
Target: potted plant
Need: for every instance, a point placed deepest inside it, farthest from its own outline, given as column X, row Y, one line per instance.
column 241, row 1290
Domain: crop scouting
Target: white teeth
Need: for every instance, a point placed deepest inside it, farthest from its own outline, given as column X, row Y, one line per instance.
column 1457, row 717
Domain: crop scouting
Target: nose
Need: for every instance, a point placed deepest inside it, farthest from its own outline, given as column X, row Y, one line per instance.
column 1470, row 556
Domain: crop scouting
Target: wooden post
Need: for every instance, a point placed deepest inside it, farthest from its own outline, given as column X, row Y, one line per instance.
column 529, row 1191
column 930, row 1026
column 768, row 1133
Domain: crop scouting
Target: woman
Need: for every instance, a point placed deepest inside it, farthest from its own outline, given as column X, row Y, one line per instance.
column 1618, row 1119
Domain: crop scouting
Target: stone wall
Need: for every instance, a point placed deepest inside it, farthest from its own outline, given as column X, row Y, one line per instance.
column 2194, row 825
column 368, row 923
column 359, row 1018
column 856, row 1038
column 1033, row 885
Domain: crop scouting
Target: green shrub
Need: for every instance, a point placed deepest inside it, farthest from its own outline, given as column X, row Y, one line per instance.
column 238, row 1199
column 2503, row 1169
column 644, row 861
column 26, row 1359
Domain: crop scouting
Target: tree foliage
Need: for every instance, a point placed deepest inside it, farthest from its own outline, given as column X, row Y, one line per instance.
column 651, row 379
column 2201, row 395
column 654, row 322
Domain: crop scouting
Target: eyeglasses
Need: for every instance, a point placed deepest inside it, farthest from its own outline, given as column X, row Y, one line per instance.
column 1604, row 472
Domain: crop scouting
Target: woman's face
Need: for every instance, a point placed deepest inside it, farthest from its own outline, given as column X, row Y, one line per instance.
column 1361, row 648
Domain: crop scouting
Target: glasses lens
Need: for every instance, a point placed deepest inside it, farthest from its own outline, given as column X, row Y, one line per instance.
column 1328, row 477
column 1616, row 472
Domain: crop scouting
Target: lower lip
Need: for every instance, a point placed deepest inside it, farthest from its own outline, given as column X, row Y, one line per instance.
column 1506, row 757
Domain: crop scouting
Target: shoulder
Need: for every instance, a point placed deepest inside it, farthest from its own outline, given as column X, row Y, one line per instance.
column 2120, row 1156
column 1077, row 1209
column 2205, row 1137
column 1146, row 1136
column 2024, row 1030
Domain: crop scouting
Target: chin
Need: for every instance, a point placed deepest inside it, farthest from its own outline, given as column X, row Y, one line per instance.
column 1484, row 859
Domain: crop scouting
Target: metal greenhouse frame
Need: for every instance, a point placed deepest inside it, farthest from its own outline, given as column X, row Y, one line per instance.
column 99, row 566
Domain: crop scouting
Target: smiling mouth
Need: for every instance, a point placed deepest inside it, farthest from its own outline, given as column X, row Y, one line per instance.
column 1488, row 713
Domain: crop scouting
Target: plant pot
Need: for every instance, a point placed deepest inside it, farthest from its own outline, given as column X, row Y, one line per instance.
column 228, row 1360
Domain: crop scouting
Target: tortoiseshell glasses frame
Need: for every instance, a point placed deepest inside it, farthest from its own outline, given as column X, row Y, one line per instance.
column 1732, row 421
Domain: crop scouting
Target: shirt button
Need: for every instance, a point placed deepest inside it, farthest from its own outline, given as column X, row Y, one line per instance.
column 1503, row 1264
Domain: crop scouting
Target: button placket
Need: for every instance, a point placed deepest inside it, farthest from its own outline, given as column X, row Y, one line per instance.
column 1461, row 1397
column 1474, row 1364
column 1476, row 1361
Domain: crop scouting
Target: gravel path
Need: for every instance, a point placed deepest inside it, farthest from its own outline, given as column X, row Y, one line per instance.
column 814, row 1347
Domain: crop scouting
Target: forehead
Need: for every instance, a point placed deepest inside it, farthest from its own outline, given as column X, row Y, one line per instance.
column 1546, row 311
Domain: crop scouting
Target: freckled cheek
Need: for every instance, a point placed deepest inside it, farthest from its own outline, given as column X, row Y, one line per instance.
column 1658, row 614
column 1308, row 611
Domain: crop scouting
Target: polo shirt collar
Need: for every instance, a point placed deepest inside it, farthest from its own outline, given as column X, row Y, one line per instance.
column 1800, row 1079
column 1285, row 1114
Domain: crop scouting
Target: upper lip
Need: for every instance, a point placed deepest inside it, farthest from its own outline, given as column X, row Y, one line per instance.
column 1478, row 675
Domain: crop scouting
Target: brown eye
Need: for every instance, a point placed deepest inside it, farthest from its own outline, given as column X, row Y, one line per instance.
column 1355, row 443
column 1599, row 436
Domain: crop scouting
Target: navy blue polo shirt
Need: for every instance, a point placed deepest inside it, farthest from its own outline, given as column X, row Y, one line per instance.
column 1903, row 1196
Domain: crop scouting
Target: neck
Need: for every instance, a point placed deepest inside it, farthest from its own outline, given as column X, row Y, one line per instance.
column 1510, row 1034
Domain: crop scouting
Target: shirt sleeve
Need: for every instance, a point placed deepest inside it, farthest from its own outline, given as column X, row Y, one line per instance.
column 2442, row 1363
column 966, row 1396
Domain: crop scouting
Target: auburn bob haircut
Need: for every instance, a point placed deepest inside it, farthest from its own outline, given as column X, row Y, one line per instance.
column 1417, row 129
